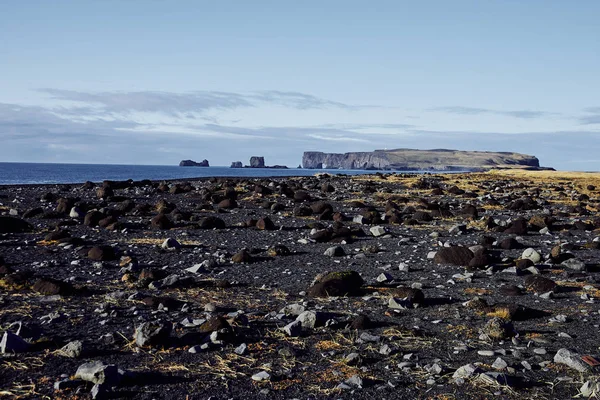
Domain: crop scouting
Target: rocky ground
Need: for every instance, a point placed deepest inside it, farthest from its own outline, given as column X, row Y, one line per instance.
column 462, row 286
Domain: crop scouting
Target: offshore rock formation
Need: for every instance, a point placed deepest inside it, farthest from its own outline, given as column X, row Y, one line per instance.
column 411, row 160
column 257, row 162
column 190, row 163
column 236, row 164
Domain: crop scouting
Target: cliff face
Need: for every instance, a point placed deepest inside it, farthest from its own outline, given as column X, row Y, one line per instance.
column 407, row 159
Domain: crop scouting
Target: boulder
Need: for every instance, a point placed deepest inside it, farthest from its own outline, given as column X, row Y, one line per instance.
column 455, row 255
column 211, row 222
column 99, row 373
column 571, row 360
column 161, row 221
column 51, row 287
column 265, row 224
column 539, row 284
column 152, row 334
column 12, row 343
column 14, row 225
column 102, row 253
column 342, row 283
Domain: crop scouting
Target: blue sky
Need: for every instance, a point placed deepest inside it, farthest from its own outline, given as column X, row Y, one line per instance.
column 154, row 82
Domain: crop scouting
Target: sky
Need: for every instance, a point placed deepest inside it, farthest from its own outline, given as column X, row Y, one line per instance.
column 155, row 82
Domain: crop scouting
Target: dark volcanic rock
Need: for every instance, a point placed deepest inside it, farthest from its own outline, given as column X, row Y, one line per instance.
column 540, row 284
column 14, row 225
column 211, row 222
column 455, row 255
column 343, row 283
column 517, row 227
column 243, row 256
column 102, row 253
column 153, row 334
column 161, row 221
column 49, row 287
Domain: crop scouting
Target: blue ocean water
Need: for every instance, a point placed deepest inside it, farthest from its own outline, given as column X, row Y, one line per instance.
column 33, row 173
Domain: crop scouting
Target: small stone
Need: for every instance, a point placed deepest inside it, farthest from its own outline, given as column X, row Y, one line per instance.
column 404, row 267
column 195, row 349
column 196, row 269
column 241, row 349
column 261, row 376
column 384, row 277
column 377, row 231
column 399, row 304
column 99, row 392
column 386, row 350
column 532, row 254
column 293, row 329
column 590, row 389
column 354, row 381
column 336, row 251
column 526, row 365
column 292, row 310
column 352, row 359
column 366, row 337
column 72, row 349
column 170, row 244
column 98, row 373
column 308, row 319
column 486, row 353
column 499, row 364
column 574, row 264
column 466, row 371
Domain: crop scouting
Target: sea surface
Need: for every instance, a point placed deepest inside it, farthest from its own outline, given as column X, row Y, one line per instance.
column 34, row 173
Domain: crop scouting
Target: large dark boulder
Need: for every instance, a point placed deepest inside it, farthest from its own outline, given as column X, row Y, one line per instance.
column 211, row 222
column 102, row 253
column 455, row 255
column 540, row 284
column 341, row 283
column 161, row 221
column 50, row 287
column 14, row 225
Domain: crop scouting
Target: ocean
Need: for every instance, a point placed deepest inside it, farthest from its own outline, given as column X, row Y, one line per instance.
column 34, row 173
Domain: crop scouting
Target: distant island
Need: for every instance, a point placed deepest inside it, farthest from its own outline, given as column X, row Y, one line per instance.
column 190, row 163
column 419, row 160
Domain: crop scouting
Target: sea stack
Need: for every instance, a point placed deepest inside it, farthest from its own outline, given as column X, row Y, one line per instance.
column 190, row 163
column 257, row 162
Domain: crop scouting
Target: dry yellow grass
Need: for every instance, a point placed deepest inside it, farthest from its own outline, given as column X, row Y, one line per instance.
column 503, row 313
column 462, row 331
column 159, row 241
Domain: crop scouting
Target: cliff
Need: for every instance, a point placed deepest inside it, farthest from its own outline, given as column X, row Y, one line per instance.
column 422, row 160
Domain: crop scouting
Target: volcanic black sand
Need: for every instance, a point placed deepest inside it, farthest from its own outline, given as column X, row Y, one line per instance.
column 394, row 286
